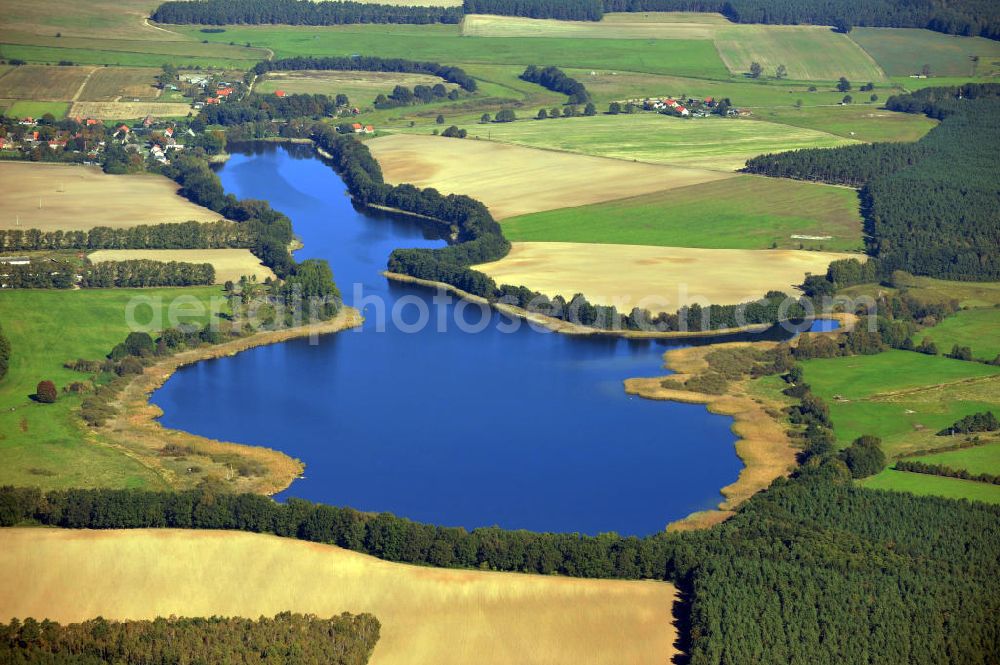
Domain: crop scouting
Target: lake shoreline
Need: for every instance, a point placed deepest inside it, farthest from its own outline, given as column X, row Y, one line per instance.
column 137, row 432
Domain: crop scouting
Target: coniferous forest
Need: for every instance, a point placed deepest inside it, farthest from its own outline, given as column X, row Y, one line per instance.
column 930, row 207
column 299, row 12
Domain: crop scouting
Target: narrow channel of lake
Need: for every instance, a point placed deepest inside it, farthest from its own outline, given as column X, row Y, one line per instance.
column 523, row 430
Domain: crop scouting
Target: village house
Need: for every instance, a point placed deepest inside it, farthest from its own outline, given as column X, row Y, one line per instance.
column 279, row 93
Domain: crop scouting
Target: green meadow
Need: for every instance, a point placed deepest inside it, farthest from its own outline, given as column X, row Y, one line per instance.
column 977, row 459
column 860, row 121
column 744, row 212
column 904, row 51
column 47, row 444
column 903, row 397
column 21, row 108
column 138, row 58
column 978, row 329
column 923, row 484
column 710, row 143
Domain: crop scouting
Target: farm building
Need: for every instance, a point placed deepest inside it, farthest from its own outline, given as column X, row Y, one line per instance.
column 279, row 93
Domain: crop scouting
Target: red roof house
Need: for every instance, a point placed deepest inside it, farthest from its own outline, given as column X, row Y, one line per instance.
column 279, row 93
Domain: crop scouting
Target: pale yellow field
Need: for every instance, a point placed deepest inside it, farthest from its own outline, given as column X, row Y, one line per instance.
column 128, row 110
column 428, row 615
column 74, row 198
column 114, row 83
column 230, row 264
column 515, row 180
column 614, row 26
column 656, row 278
column 43, row 83
column 361, row 87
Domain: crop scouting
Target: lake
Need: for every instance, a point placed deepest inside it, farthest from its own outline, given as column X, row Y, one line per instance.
column 521, row 429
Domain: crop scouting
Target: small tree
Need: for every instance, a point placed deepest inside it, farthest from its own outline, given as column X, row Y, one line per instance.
column 570, row 111
column 843, row 25
column 440, row 119
column 798, row 104
column 614, row 108
column 756, row 70
column 781, row 72
column 590, row 109
column 843, row 85
column 46, row 392
column 926, row 70
column 542, row 114
column 812, row 88
column 506, row 115
column 864, row 457
column 485, row 118
column 847, row 99
column 139, row 344
column 873, row 98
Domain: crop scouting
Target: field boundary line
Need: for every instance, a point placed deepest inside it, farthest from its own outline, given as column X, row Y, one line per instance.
column 86, row 80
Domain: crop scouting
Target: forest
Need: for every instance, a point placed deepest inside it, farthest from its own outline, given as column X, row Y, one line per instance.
column 449, row 73
column 298, row 12
column 787, row 579
column 929, row 207
column 555, row 79
column 957, row 17
column 286, row 639
column 144, row 272
column 262, row 108
column 567, row 10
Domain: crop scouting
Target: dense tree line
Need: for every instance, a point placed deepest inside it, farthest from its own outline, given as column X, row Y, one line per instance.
column 813, row 570
column 4, row 354
column 136, row 273
column 946, row 471
column 568, row 10
column 977, row 422
column 957, row 17
column 556, row 80
column 929, row 207
column 263, row 108
column 38, row 274
column 222, row 234
column 298, row 12
column 419, row 94
column 449, row 73
column 287, row 639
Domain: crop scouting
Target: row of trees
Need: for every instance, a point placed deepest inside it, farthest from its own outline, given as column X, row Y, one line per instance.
column 286, row 639
column 977, row 422
column 4, row 354
column 299, row 12
column 929, row 206
column 556, row 80
column 946, row 471
column 449, row 73
column 260, row 108
column 567, row 10
column 960, row 17
column 813, row 570
column 144, row 272
column 223, row 234
column 420, row 94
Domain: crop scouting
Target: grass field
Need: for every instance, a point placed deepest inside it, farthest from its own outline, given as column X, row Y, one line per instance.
column 901, row 396
column 928, row 289
column 441, row 43
column 40, row 83
column 859, row 121
column 744, row 212
column 978, row 459
column 979, row 329
column 59, row 196
column 128, row 110
column 710, row 143
column 46, row 444
column 229, row 264
column 658, row 278
column 923, row 484
column 810, row 53
column 513, row 180
column 428, row 615
column 361, row 87
column 108, row 84
column 904, row 51
column 101, row 19
column 20, row 108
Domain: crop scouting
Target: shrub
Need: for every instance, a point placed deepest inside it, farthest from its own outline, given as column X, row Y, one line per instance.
column 139, row 344
column 46, row 392
column 129, row 366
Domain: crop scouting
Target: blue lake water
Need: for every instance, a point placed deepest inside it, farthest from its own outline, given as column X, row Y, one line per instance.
column 523, row 430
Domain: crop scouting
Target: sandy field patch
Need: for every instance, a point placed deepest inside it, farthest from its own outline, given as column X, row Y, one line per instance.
column 230, row 264
column 77, row 198
column 659, row 278
column 128, row 110
column 113, row 83
column 614, row 26
column 43, row 83
column 428, row 615
column 514, row 180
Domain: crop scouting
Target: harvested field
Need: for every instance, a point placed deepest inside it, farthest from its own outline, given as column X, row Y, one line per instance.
column 428, row 615
column 614, row 26
column 72, row 198
column 230, row 264
column 658, row 278
column 109, row 84
column 904, row 51
column 514, row 180
column 723, row 144
column 361, row 87
column 42, row 83
column 101, row 19
column 128, row 110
